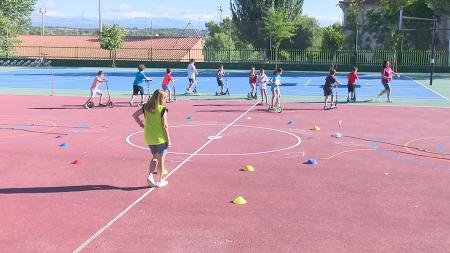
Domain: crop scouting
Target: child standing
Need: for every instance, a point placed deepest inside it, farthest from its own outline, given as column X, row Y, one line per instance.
column 219, row 76
column 352, row 78
column 138, row 84
column 262, row 80
column 98, row 80
column 192, row 75
column 328, row 88
column 252, row 81
column 386, row 79
column 275, row 82
column 165, row 84
column 156, row 134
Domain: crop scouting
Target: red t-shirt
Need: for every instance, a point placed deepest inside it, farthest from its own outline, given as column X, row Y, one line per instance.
column 252, row 78
column 167, row 79
column 352, row 77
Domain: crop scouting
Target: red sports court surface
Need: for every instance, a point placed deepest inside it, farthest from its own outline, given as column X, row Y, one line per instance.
column 382, row 187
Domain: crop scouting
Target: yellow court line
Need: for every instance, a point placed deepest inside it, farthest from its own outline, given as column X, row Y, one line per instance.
column 406, row 145
column 346, row 151
column 29, row 134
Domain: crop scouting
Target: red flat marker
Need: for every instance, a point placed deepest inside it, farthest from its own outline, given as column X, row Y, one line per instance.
column 58, row 137
column 76, row 162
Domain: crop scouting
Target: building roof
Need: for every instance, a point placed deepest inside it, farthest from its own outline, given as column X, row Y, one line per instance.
column 134, row 48
column 93, row 42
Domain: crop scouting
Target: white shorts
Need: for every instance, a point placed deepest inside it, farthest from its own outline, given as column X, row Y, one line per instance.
column 95, row 92
column 263, row 86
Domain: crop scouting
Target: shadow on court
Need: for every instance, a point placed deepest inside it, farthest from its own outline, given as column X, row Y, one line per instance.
column 59, row 189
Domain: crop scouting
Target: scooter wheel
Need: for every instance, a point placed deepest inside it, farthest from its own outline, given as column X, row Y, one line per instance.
column 217, row 94
column 110, row 104
column 90, row 105
column 279, row 110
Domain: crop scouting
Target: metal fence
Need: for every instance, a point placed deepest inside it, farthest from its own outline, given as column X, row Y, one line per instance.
column 214, row 55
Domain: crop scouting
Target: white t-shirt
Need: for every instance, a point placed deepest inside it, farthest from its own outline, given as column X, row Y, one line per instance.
column 262, row 79
column 97, row 81
column 192, row 71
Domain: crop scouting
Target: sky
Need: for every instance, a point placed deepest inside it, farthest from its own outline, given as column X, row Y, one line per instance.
column 197, row 11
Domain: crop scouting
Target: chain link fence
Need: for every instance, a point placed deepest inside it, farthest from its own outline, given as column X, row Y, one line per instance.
column 259, row 56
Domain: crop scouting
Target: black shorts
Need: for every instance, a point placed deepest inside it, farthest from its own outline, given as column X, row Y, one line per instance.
column 351, row 88
column 219, row 82
column 327, row 91
column 138, row 90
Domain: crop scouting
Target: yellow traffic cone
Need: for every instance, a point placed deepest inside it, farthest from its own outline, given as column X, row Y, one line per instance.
column 240, row 200
column 316, row 128
column 165, row 172
column 249, row 168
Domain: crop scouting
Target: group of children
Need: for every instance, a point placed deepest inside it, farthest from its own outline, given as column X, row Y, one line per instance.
column 153, row 116
column 352, row 77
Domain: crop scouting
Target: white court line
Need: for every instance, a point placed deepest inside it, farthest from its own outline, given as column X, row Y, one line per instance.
column 299, row 141
column 440, row 95
column 120, row 215
column 309, row 80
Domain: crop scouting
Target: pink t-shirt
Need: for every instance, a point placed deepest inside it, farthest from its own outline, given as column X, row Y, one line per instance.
column 387, row 75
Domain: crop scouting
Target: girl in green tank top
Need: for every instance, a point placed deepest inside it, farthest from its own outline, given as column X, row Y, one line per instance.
column 156, row 134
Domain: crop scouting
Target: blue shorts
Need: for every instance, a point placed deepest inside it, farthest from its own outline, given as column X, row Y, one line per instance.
column 161, row 149
column 387, row 86
column 165, row 88
column 274, row 87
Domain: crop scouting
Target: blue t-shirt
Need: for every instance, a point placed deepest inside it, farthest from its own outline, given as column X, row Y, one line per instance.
column 276, row 80
column 139, row 79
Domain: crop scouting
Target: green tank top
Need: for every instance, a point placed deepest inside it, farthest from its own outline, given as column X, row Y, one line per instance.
column 153, row 130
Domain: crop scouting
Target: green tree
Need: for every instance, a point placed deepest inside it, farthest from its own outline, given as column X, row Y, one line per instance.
column 14, row 18
column 248, row 17
column 333, row 40
column 223, row 42
column 278, row 28
column 111, row 38
column 308, row 35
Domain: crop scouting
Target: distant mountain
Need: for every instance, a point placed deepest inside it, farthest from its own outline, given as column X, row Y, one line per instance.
column 128, row 23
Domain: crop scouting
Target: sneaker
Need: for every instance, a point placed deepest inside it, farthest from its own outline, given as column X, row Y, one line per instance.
column 162, row 184
column 151, row 181
column 389, row 101
column 85, row 106
column 131, row 104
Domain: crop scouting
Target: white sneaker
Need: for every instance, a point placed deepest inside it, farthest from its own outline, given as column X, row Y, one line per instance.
column 162, row 184
column 151, row 181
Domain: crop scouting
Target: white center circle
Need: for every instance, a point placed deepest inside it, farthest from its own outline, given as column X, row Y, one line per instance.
column 297, row 138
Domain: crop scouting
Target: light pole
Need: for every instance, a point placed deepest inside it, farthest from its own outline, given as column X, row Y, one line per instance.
column 219, row 9
column 100, row 25
column 42, row 11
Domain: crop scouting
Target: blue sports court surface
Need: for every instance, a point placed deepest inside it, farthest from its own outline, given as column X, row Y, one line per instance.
column 294, row 83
